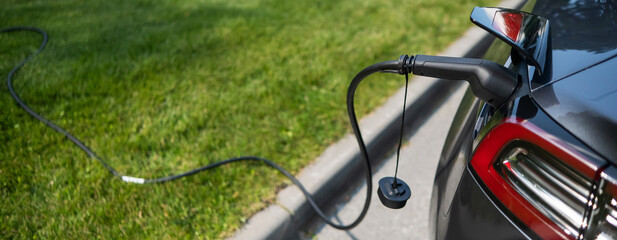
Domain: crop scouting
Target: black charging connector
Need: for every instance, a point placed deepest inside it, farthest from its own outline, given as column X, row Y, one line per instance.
column 489, row 81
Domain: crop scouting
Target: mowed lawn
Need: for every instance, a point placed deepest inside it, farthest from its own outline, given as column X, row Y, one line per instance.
column 161, row 87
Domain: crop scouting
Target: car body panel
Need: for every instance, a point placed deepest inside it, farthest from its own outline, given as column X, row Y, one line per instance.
column 573, row 101
column 458, row 151
column 474, row 215
column 583, row 33
column 582, row 104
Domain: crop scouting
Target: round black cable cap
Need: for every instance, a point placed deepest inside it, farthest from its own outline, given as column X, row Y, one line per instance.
column 393, row 192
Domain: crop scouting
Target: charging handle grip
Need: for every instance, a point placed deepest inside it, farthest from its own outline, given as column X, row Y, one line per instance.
column 489, row 81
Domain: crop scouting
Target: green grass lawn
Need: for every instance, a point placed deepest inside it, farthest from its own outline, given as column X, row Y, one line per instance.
column 160, row 87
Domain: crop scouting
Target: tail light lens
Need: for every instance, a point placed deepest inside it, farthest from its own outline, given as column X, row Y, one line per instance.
column 508, row 23
column 550, row 186
column 542, row 180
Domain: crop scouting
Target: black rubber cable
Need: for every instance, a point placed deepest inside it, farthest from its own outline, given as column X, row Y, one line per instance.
column 379, row 67
column 400, row 137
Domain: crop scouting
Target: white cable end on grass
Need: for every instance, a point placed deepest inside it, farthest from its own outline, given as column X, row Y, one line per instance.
column 133, row 179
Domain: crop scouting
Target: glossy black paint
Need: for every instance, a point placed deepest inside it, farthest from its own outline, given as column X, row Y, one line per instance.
column 579, row 90
column 452, row 164
column 575, row 100
column 583, row 34
column 586, row 105
column 475, row 215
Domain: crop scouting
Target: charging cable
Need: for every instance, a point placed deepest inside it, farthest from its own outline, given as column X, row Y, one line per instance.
column 389, row 66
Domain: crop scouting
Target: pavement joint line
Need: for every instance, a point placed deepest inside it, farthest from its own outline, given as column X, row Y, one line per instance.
column 340, row 161
column 289, row 211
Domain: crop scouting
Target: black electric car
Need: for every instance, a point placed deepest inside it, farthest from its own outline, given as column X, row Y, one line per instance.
column 543, row 164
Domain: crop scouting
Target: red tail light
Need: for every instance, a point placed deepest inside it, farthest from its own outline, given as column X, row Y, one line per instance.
column 508, row 23
column 542, row 180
